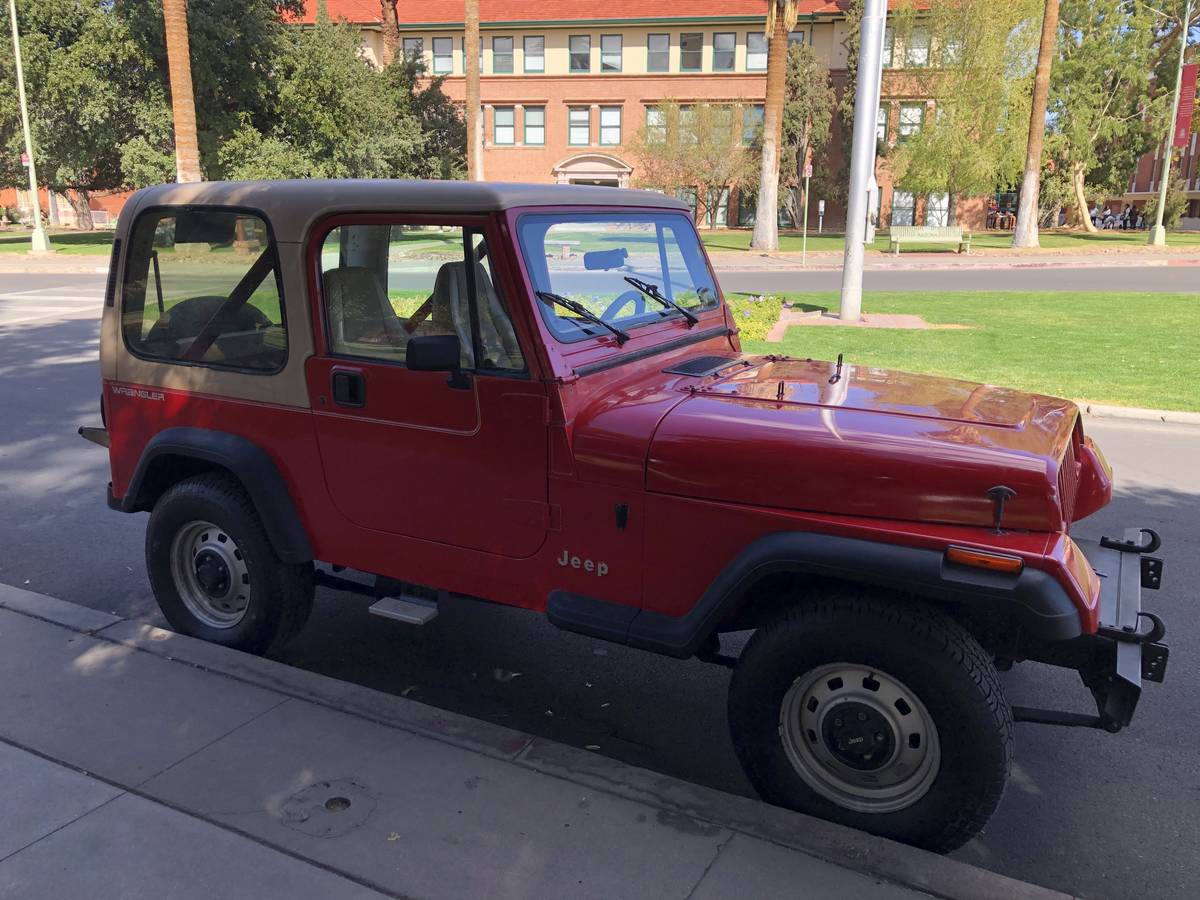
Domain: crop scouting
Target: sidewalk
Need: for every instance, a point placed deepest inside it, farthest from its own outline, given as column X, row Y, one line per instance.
column 138, row 763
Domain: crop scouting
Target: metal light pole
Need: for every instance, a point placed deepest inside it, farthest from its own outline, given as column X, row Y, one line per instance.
column 862, row 155
column 1158, row 234
column 40, row 242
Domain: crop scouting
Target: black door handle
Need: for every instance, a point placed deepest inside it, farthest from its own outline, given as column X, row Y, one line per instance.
column 349, row 388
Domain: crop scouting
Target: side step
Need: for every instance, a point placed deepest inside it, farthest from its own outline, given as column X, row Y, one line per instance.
column 411, row 610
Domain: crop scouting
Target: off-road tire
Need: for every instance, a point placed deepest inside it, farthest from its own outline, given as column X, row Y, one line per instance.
column 934, row 656
column 282, row 593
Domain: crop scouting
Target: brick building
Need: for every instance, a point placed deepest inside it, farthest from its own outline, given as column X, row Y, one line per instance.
column 565, row 84
column 1147, row 177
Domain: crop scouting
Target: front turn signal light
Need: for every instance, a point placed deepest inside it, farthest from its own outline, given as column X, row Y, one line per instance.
column 979, row 559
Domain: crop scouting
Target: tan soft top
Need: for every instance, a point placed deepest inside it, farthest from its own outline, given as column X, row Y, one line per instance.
column 292, row 206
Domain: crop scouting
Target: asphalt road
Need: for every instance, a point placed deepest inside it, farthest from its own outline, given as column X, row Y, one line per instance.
column 1090, row 813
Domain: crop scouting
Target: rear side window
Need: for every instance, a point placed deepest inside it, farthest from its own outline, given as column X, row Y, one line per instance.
column 202, row 287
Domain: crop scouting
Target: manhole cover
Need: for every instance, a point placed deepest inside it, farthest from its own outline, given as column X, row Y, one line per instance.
column 328, row 808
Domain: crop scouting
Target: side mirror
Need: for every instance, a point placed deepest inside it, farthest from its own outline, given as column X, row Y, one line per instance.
column 436, row 353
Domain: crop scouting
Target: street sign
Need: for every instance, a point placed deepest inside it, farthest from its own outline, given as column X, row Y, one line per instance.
column 808, row 171
column 25, row 160
column 1187, row 103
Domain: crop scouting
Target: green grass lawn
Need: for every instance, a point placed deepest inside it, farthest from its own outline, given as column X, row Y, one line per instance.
column 1131, row 349
column 72, row 243
column 1084, row 243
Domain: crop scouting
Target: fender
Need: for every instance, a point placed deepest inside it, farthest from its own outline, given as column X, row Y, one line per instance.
column 1039, row 601
column 249, row 464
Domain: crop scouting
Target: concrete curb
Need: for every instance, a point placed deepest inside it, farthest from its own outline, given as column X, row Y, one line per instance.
column 844, row 847
column 1137, row 413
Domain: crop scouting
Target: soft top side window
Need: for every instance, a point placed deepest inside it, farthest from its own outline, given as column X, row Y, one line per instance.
column 202, row 287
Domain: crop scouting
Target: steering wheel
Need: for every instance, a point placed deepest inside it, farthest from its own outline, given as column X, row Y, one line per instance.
column 637, row 298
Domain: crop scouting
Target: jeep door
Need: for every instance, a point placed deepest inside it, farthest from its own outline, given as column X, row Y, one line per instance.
column 454, row 457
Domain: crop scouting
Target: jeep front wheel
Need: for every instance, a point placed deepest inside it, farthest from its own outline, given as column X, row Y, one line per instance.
column 882, row 715
column 214, row 572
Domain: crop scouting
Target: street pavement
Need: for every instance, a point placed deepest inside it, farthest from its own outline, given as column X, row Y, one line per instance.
column 1089, row 813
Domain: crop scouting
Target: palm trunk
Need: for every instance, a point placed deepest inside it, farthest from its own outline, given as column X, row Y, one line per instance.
column 766, row 219
column 1081, row 206
column 474, row 110
column 1026, row 233
column 391, row 31
column 183, row 103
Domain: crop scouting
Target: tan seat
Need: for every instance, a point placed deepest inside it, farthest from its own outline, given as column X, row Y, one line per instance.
column 359, row 309
column 451, row 315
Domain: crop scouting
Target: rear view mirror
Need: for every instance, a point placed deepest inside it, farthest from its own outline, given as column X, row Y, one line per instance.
column 200, row 227
column 595, row 260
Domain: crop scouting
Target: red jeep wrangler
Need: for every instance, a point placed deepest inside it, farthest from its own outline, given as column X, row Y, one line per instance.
column 535, row 395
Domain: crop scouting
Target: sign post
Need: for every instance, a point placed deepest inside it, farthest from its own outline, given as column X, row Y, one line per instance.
column 39, row 242
column 1158, row 234
column 804, row 233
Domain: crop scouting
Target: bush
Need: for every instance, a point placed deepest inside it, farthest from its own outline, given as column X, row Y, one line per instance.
column 1177, row 200
column 754, row 314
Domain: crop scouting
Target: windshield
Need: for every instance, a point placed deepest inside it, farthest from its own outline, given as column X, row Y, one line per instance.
column 586, row 258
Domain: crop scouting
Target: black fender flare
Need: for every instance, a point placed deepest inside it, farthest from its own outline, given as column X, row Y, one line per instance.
column 246, row 461
column 1039, row 601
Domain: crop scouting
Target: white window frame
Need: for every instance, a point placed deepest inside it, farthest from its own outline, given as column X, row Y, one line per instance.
column 539, row 128
column 610, row 134
column 755, row 54
column 572, row 53
column 916, row 52
column 607, row 63
column 664, row 53
column 443, row 61
column 731, row 51
column 497, row 54
column 574, row 122
column 539, row 56
column 509, row 126
column 910, row 206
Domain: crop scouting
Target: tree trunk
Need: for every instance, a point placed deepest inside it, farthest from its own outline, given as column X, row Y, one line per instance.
column 1026, row 232
column 1081, row 205
column 183, row 103
column 52, row 207
column 474, row 109
column 391, row 31
column 81, row 203
column 766, row 219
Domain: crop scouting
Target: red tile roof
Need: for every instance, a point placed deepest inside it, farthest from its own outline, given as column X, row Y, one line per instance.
column 429, row 12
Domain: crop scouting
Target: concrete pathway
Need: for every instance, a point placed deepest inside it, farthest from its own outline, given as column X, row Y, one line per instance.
column 138, row 763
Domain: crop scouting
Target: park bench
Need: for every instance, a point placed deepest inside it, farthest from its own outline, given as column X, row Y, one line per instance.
column 928, row 234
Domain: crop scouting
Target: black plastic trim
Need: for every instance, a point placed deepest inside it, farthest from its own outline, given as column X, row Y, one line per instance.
column 248, row 462
column 1042, row 605
column 634, row 355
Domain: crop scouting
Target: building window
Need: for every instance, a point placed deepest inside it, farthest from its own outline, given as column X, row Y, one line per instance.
column 610, row 126
column 579, row 126
column 504, row 121
column 687, row 124
column 951, row 52
column 610, row 53
column 691, row 52
column 912, row 116
column 889, row 46
column 916, row 48
column 756, row 52
column 724, row 51
column 535, row 125
column 414, row 48
column 937, row 210
column 656, row 125
column 443, row 56
column 902, row 208
column 717, row 212
column 502, row 55
column 796, row 37
column 658, row 52
column 535, row 54
column 881, row 123
column 752, row 123
column 580, row 46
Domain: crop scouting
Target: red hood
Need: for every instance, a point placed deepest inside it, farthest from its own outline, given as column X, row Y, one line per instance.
column 872, row 442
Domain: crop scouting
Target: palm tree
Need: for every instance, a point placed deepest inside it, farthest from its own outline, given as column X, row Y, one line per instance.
column 1026, row 232
column 183, row 102
column 474, row 125
column 391, row 31
column 781, row 19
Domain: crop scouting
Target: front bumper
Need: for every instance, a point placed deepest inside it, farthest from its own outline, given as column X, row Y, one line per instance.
column 1126, row 649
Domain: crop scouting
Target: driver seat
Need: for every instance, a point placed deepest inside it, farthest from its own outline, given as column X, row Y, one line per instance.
column 451, row 314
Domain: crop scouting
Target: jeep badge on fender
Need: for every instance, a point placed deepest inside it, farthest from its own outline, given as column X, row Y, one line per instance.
column 450, row 387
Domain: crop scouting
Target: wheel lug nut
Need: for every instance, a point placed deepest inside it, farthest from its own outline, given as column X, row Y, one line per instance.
column 878, row 738
column 837, row 723
column 862, row 717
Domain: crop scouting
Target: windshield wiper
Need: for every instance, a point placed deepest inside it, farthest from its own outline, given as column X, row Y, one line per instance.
column 584, row 313
column 652, row 291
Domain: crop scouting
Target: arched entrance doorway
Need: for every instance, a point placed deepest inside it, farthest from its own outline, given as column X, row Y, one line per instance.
column 592, row 168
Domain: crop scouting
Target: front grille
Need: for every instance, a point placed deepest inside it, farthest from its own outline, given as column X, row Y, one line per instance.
column 1068, row 482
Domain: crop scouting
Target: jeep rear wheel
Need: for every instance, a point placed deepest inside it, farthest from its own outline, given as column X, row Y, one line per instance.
column 878, row 714
column 214, row 572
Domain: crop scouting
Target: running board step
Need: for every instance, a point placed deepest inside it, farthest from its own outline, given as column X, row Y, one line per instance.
column 411, row 610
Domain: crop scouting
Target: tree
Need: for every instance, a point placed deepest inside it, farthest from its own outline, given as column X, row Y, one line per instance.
column 699, row 147
column 971, row 139
column 471, row 50
column 1102, row 118
column 807, row 116
column 781, row 19
column 1173, row 209
column 1026, row 232
column 391, row 30
column 183, row 103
